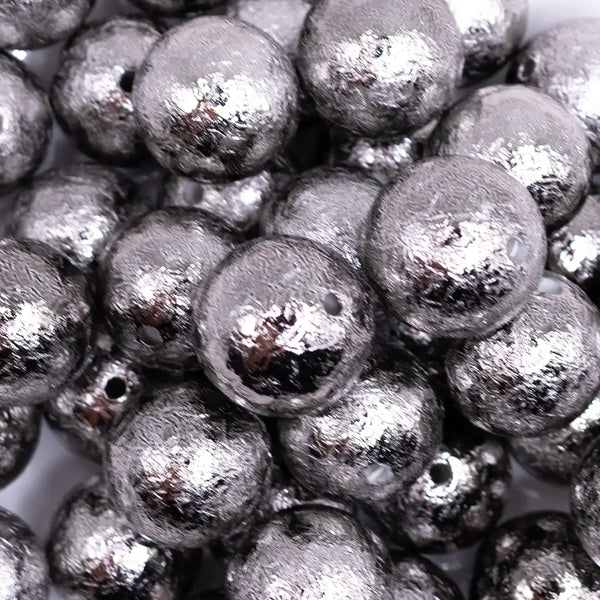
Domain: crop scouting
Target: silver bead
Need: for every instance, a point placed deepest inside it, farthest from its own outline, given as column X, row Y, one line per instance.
column 535, row 556
column 23, row 567
column 45, row 321
column 91, row 92
column 416, row 578
column 224, row 114
column 188, row 467
column 326, row 206
column 150, row 274
column 537, row 373
column 25, row 121
column 529, row 134
column 379, row 68
column 456, row 246
column 284, row 326
column 311, row 553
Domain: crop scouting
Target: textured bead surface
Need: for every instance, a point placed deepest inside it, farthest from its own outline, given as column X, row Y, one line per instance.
column 284, row 326
column 225, row 113
column 416, row 578
column 538, row 372
column 150, row 275
column 535, row 556
column 530, row 135
column 456, row 246
column 312, row 553
column 91, row 93
column 188, row 467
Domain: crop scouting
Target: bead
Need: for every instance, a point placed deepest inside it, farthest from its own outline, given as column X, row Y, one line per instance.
column 40, row 23
column 535, row 556
column 45, row 321
column 22, row 562
column 556, row 454
column 456, row 247
column 91, row 92
column 417, row 578
column 224, row 114
column 172, row 8
column 150, row 274
column 530, row 135
column 375, row 68
column 188, row 467
column 538, row 372
column 372, row 443
column 25, row 121
column 284, row 326
column 311, row 553
column 326, row 206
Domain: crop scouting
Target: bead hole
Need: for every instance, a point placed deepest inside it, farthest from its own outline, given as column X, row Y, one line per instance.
column 115, row 388
column 332, row 305
column 150, row 336
column 440, row 473
column 126, row 81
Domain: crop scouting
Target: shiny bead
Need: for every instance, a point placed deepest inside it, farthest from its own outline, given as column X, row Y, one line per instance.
column 530, row 135
column 535, row 556
column 416, row 578
column 224, row 114
column 538, row 372
column 176, row 7
column 25, row 121
column 91, row 92
column 45, row 321
column 284, row 326
column 150, row 275
column 188, row 467
column 311, row 553
column 456, row 246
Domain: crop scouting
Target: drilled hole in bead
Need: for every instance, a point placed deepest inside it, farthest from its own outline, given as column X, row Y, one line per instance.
column 115, row 388
column 126, row 81
column 332, row 305
column 150, row 336
column 440, row 473
column 527, row 69
column 517, row 251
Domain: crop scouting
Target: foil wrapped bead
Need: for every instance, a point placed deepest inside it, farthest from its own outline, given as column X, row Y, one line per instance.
column 225, row 114
column 538, row 372
column 284, row 326
column 91, row 92
column 311, row 553
column 529, row 134
column 25, row 121
column 149, row 277
column 415, row 577
column 188, row 467
column 456, row 247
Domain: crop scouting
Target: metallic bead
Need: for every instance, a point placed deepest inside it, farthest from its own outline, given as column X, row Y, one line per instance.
column 173, row 8
column 150, row 274
column 416, row 578
column 538, row 372
column 23, row 568
column 226, row 113
column 25, row 121
column 91, row 92
column 530, row 135
column 372, row 443
column 380, row 68
column 284, row 326
column 37, row 24
column 311, row 553
column 188, row 467
column 535, row 556
column 329, row 207
column 45, row 321
column 456, row 246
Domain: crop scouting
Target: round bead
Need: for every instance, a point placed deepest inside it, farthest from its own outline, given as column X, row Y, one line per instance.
column 224, row 114
column 456, row 246
column 150, row 274
column 22, row 561
column 535, row 556
column 417, row 578
column 188, row 467
column 91, row 92
column 537, row 373
column 326, row 206
column 25, row 121
column 284, row 326
column 311, row 553
column 372, row 443
column 45, row 324
column 173, row 8
column 39, row 23
column 376, row 68
column 530, row 135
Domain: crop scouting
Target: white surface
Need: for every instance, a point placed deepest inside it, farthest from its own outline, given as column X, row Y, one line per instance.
column 37, row 494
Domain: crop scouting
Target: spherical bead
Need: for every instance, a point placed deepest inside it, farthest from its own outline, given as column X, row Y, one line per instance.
column 417, row 578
